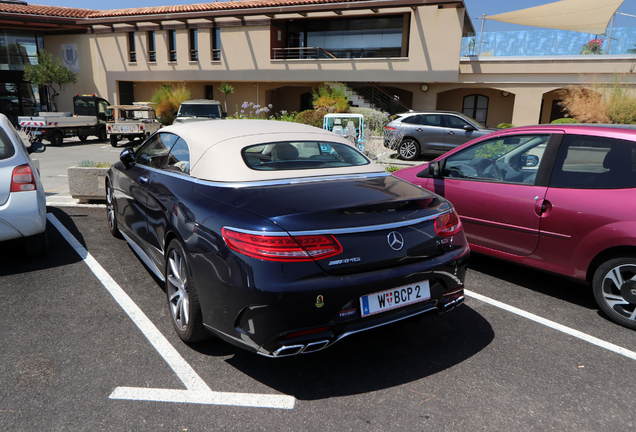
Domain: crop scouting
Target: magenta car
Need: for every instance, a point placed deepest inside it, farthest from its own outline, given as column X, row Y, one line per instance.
column 560, row 198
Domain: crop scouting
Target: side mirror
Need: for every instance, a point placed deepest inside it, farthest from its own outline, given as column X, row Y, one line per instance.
column 469, row 128
column 127, row 157
column 36, row 147
column 529, row 160
column 434, row 170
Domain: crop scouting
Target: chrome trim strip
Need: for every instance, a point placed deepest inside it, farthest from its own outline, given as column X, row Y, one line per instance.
column 289, row 181
column 277, row 182
column 336, row 231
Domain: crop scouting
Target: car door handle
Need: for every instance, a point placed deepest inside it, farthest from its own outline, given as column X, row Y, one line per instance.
column 143, row 180
column 450, row 132
column 418, row 129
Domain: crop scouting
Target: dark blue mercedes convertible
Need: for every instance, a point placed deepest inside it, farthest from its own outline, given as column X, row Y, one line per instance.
column 282, row 238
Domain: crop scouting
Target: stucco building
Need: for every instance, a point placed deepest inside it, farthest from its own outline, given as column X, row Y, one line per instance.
column 276, row 51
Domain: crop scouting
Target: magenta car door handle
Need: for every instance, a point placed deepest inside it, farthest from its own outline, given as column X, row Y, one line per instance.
column 542, row 207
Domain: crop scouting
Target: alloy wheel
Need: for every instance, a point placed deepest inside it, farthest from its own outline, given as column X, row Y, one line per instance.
column 177, row 286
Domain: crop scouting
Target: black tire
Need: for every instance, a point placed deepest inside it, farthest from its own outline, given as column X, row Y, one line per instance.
column 183, row 301
column 614, row 287
column 37, row 245
column 83, row 138
column 111, row 212
column 113, row 140
column 409, row 149
column 102, row 134
column 57, row 138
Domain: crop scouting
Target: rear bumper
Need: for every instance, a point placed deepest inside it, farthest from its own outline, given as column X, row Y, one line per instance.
column 23, row 215
column 314, row 313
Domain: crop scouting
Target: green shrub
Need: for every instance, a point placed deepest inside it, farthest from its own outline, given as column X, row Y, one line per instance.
column 374, row 120
column 565, row 121
column 311, row 117
column 505, row 125
column 392, row 168
column 92, row 164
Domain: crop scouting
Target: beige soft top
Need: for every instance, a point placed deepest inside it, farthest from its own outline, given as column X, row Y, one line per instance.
column 216, row 146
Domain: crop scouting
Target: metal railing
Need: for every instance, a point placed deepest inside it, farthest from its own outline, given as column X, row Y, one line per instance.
column 317, row 53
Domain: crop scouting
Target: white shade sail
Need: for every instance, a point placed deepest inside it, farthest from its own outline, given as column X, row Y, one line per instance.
column 586, row 16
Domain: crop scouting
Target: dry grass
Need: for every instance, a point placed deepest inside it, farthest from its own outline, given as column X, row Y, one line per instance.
column 601, row 102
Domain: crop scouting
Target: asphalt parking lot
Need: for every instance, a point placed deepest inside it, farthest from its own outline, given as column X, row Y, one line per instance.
column 88, row 345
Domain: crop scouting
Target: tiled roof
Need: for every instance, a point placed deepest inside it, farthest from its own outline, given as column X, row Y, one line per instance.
column 47, row 11
column 55, row 11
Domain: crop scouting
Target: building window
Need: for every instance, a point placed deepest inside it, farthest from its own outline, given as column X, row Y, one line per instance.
column 132, row 52
column 216, row 44
column 172, row 45
column 476, row 106
column 194, row 45
column 152, row 52
column 343, row 38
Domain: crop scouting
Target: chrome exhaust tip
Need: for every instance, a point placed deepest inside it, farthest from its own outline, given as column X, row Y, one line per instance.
column 286, row 351
column 447, row 307
column 315, row 346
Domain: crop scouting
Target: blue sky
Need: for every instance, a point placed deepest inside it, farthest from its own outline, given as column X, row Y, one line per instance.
column 476, row 8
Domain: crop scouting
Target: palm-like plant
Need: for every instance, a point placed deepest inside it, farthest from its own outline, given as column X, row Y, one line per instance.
column 226, row 89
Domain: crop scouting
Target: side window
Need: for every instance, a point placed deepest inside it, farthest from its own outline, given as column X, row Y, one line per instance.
column 431, row 120
column 154, row 152
column 455, row 122
column 587, row 162
column 512, row 159
column 411, row 119
column 179, row 158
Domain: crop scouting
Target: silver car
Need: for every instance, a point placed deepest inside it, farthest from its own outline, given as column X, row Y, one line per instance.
column 22, row 199
column 435, row 132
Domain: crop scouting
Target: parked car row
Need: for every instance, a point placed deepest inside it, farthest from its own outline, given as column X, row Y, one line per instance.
column 283, row 238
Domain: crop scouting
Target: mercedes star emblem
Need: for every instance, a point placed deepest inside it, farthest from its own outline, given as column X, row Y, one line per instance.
column 396, row 241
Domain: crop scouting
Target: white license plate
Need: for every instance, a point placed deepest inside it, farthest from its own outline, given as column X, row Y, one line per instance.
column 36, row 132
column 125, row 128
column 395, row 298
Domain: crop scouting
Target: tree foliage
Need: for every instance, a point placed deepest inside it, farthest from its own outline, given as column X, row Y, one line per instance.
column 49, row 72
column 331, row 100
column 167, row 100
column 226, row 89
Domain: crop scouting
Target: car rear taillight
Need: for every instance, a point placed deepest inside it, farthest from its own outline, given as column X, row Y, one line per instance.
column 389, row 128
column 282, row 248
column 141, row 127
column 108, row 127
column 22, row 179
column 448, row 224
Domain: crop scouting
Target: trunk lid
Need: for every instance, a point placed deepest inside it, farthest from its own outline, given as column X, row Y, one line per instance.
column 381, row 222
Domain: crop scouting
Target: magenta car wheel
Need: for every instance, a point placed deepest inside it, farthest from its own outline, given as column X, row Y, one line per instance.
column 614, row 288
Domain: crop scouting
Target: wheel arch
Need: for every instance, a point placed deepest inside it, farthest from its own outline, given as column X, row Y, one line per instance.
column 608, row 254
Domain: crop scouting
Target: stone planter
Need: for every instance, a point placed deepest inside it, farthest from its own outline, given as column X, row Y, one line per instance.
column 87, row 183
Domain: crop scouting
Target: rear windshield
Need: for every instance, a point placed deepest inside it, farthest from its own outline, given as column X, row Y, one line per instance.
column 6, row 146
column 301, row 155
column 199, row 110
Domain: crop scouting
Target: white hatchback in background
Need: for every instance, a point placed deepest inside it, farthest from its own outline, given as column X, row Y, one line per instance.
column 22, row 199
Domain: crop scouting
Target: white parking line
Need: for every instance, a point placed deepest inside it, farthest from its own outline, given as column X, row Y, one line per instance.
column 197, row 390
column 567, row 330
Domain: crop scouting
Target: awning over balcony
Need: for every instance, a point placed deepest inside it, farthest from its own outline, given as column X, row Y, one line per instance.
column 586, row 16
